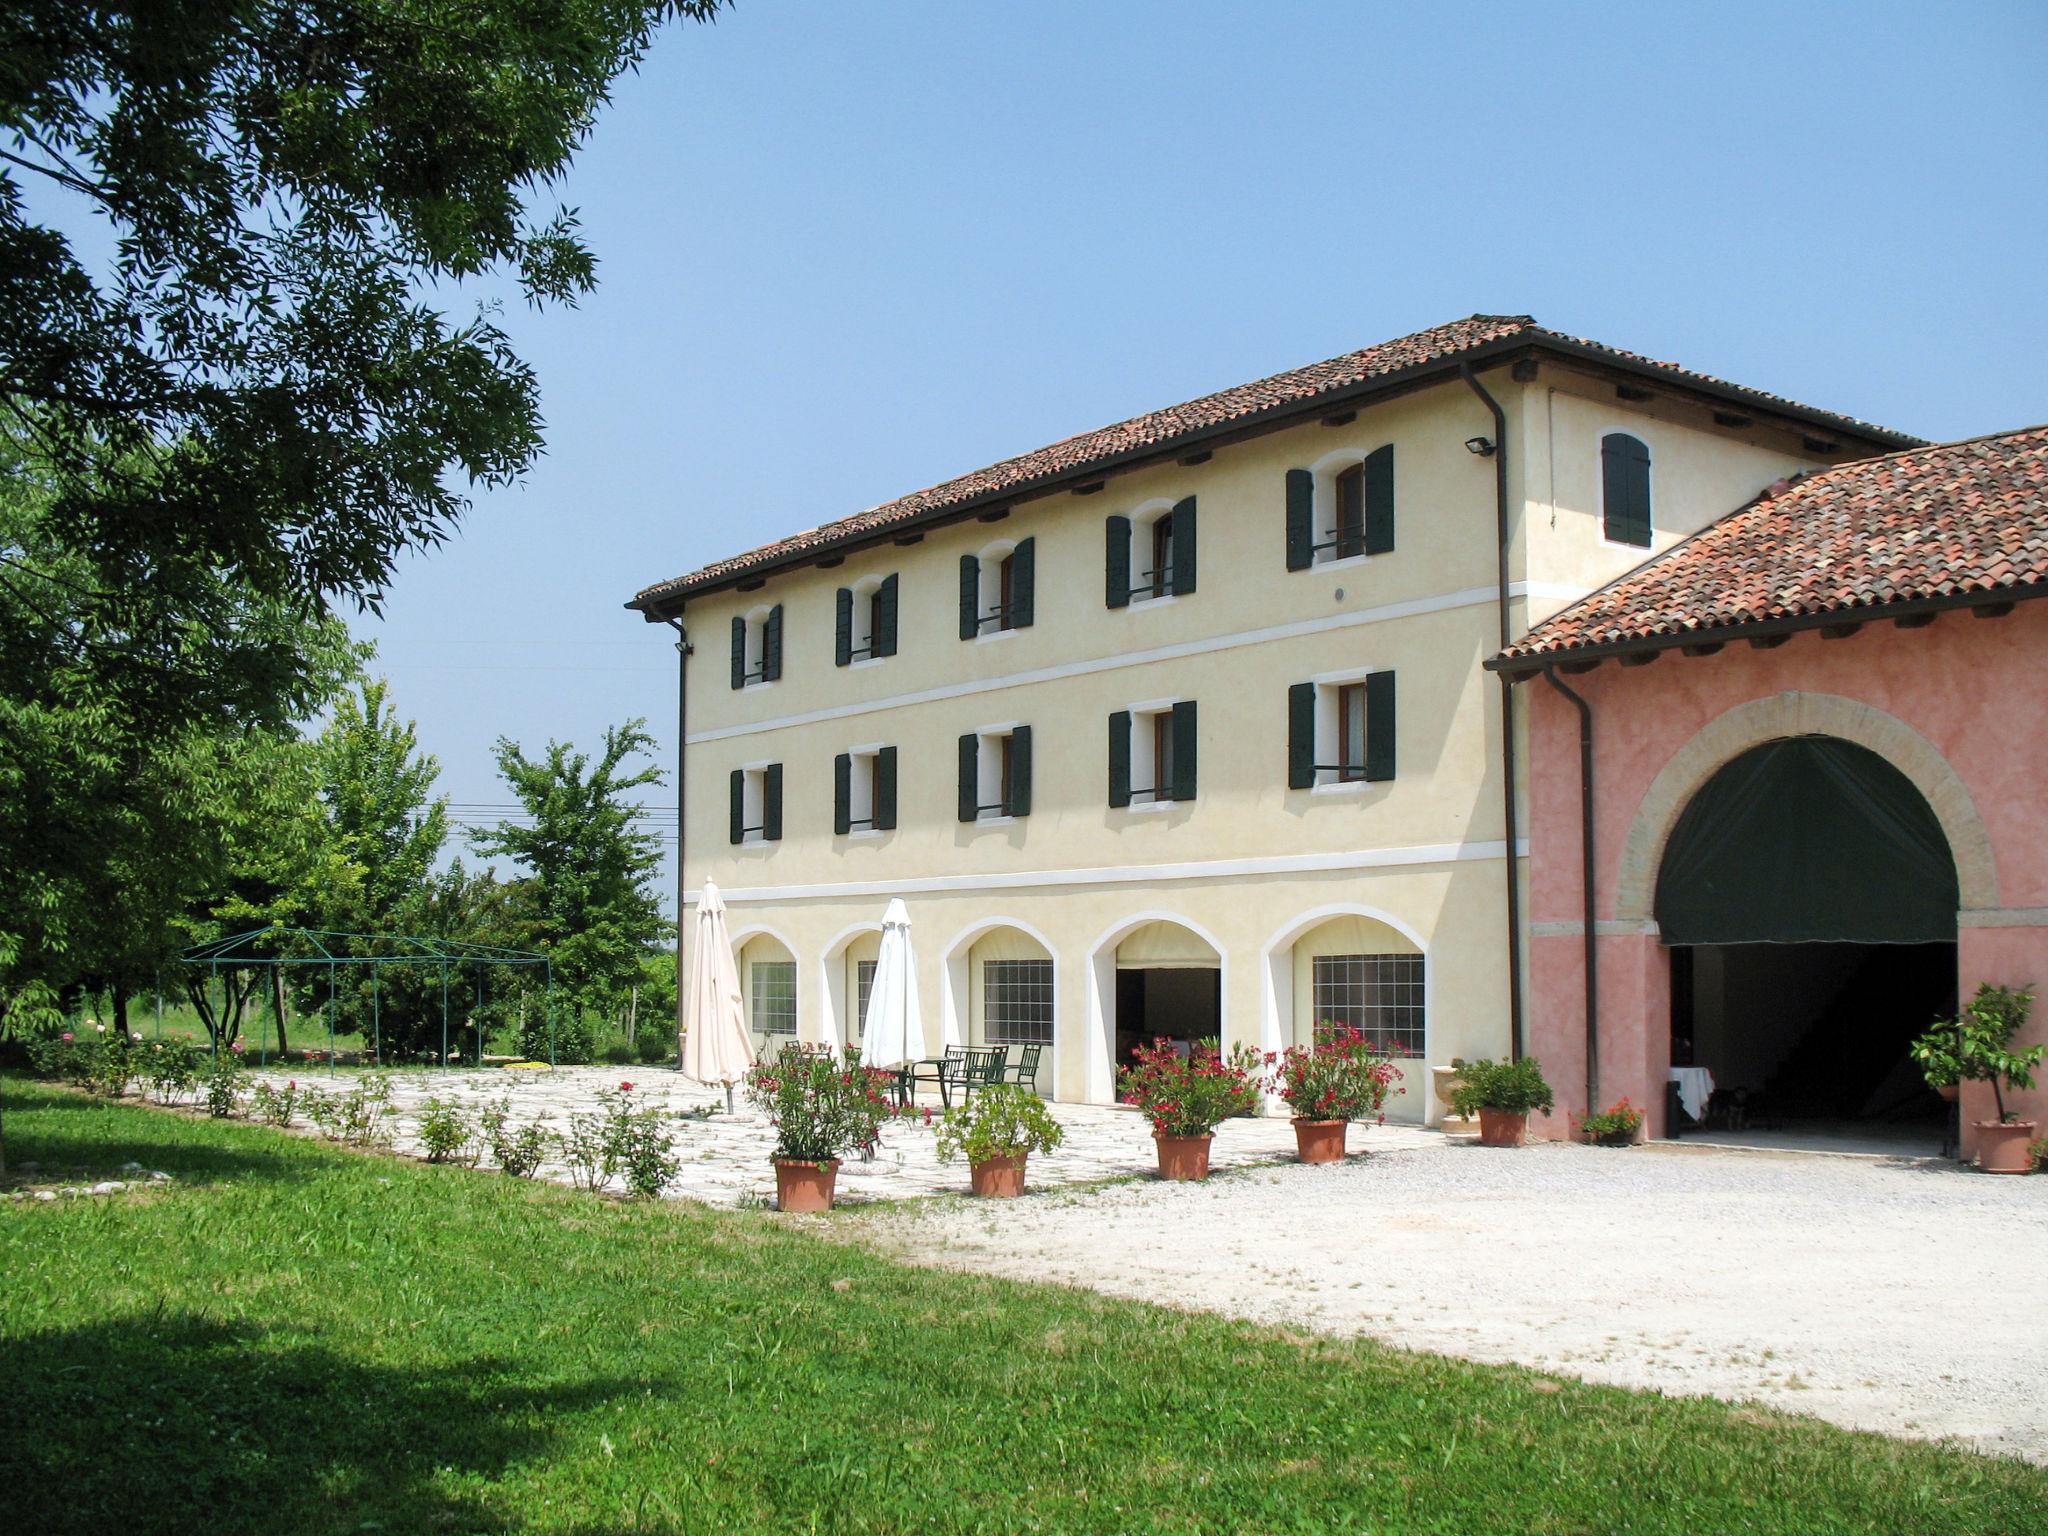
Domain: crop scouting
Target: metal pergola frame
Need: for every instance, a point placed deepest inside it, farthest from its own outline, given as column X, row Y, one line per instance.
column 242, row 950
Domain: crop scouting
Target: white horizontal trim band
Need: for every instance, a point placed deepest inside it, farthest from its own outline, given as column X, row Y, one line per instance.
column 1127, row 874
column 1469, row 598
column 1604, row 928
column 2002, row 917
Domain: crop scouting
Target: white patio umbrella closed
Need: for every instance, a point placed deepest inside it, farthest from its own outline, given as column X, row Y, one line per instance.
column 893, row 1031
column 717, row 1045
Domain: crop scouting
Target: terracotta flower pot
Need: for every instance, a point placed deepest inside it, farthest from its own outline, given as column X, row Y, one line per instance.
column 997, row 1178
column 1503, row 1128
column 1614, row 1139
column 2002, row 1146
column 1183, row 1157
column 1948, row 1091
column 805, row 1187
column 1320, row 1141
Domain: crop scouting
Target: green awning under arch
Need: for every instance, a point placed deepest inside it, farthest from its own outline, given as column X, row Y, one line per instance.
column 1811, row 839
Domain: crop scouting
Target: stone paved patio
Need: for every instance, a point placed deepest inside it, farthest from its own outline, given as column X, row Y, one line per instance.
column 725, row 1157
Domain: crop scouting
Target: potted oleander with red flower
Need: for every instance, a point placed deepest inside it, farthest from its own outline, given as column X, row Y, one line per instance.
column 1339, row 1078
column 822, row 1106
column 1186, row 1091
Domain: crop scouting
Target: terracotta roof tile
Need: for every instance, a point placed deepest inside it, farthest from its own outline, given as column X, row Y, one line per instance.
column 1299, row 386
column 1923, row 524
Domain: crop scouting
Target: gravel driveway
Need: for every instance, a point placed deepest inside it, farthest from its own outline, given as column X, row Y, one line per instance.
column 1888, row 1296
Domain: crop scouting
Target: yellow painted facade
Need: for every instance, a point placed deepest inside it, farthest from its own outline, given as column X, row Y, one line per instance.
column 1262, row 875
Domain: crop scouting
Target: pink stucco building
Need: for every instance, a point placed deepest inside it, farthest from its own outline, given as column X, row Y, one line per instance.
column 1815, row 747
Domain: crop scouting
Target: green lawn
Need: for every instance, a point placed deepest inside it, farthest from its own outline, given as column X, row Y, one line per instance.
column 294, row 1338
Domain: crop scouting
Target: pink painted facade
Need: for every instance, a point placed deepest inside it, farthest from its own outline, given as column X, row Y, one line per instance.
column 1975, row 689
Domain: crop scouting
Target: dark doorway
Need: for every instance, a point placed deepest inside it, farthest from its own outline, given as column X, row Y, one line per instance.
column 1181, row 1003
column 1801, row 1036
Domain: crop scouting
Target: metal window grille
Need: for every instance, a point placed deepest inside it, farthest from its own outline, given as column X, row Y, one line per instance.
column 863, row 984
column 1016, row 1002
column 772, row 998
column 1380, row 995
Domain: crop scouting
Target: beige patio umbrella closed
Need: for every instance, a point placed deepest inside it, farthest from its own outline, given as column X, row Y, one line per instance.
column 717, row 1045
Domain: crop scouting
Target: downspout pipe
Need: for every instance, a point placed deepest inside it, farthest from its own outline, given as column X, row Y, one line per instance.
column 1511, row 820
column 1586, row 878
column 683, row 649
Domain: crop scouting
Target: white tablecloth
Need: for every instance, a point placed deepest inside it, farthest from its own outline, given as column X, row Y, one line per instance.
column 1695, row 1087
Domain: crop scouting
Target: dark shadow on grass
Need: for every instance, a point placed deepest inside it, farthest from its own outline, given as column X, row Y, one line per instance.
column 189, row 1163
column 178, row 1423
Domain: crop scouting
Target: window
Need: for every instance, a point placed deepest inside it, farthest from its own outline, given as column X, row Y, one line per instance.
column 757, row 647
column 1152, row 754
column 1150, row 554
column 1341, row 731
column 1379, row 995
column 996, row 589
column 1016, row 1002
column 864, row 790
column 863, row 987
column 1342, row 509
column 771, row 996
column 866, row 626
column 755, row 808
column 995, row 773
column 1625, row 489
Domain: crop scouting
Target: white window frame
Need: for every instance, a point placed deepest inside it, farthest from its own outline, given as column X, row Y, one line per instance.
column 1143, row 518
column 864, row 764
column 756, row 621
column 1143, row 746
column 754, row 804
column 795, row 1029
column 989, row 588
column 988, row 773
column 1323, row 507
column 865, row 592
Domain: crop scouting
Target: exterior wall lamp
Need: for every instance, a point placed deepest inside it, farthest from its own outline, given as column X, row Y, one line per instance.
column 1482, row 446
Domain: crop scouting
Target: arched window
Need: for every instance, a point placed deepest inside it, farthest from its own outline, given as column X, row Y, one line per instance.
column 1625, row 489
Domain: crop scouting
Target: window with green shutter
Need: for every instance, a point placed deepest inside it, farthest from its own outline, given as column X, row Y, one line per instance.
column 1625, row 489
column 1341, row 732
column 995, row 774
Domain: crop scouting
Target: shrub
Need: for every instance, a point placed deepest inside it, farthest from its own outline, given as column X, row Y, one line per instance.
column 573, row 1042
column 447, row 1133
column 1343, row 1076
column 1193, row 1094
column 655, row 1048
column 621, row 1140
column 1618, row 1122
column 276, row 1106
column 520, row 1150
column 222, row 1077
column 1001, row 1120
column 1512, row 1087
column 62, row 1056
column 355, row 1118
column 646, row 1153
column 170, row 1067
column 618, row 1054
column 821, row 1106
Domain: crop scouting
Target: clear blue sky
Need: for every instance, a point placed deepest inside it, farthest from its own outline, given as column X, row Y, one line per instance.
column 849, row 250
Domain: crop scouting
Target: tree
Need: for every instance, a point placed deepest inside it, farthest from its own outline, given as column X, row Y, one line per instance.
column 588, row 899
column 250, row 387
column 384, row 820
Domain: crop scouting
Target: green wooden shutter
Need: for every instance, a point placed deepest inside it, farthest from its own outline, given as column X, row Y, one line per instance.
column 771, row 802
column 739, row 653
column 885, row 789
column 842, row 794
column 771, row 645
column 842, row 630
column 1301, row 519
column 1022, row 561
column 1379, row 726
column 970, row 776
column 1020, row 770
column 1183, row 516
column 885, row 617
column 1301, row 736
column 1625, row 489
column 970, row 596
column 1379, row 501
column 1120, row 759
column 736, row 808
column 1184, row 750
column 1116, row 562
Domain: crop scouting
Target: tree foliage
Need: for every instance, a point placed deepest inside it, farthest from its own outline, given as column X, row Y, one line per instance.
column 588, row 898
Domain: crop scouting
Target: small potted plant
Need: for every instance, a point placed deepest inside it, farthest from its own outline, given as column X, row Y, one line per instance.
column 1937, row 1055
column 1978, row 1046
column 996, row 1130
column 1502, row 1094
column 1338, row 1079
column 1614, row 1126
column 1187, row 1096
column 822, row 1107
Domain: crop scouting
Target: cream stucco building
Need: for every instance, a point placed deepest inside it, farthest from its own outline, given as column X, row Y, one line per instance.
column 1181, row 727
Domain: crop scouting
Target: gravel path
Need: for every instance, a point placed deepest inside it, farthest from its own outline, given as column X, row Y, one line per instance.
column 1887, row 1296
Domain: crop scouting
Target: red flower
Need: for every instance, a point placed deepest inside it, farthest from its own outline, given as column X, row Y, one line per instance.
column 625, row 1087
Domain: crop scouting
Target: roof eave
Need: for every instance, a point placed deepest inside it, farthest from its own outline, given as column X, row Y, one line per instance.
column 1521, row 668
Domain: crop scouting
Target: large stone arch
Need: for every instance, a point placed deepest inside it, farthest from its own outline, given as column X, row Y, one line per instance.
column 1794, row 713
column 1098, row 1041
